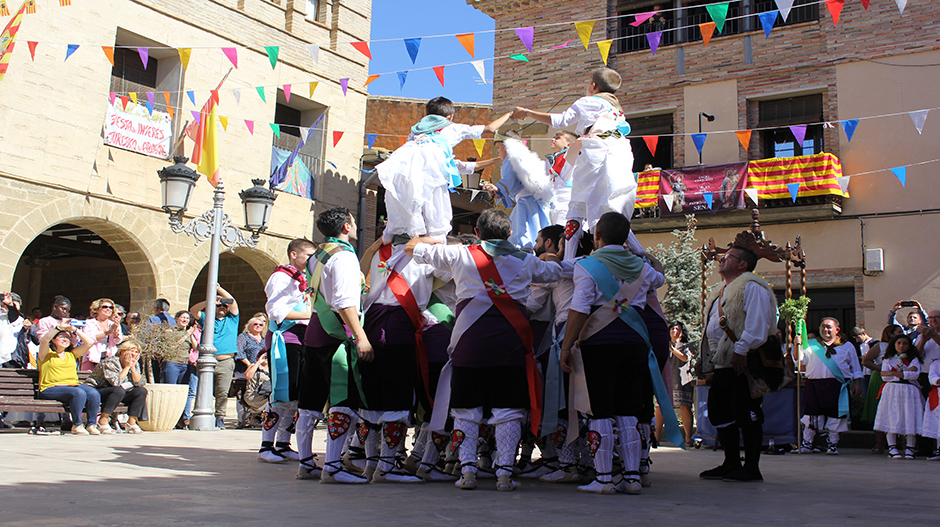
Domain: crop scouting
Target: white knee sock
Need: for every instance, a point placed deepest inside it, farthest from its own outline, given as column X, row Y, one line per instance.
column 393, row 434
column 305, row 426
column 269, row 424
column 341, row 422
column 508, row 434
column 646, row 433
column 435, row 444
column 372, row 444
column 466, row 436
column 601, row 440
column 288, row 411
column 629, row 447
column 420, row 442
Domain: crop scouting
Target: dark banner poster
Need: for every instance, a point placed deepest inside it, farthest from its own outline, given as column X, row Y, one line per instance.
column 702, row 189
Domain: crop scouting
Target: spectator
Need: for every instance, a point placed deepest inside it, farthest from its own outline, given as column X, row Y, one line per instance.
column 105, row 332
column 872, row 361
column 249, row 344
column 11, row 324
column 224, row 340
column 117, row 378
column 683, row 385
column 901, row 409
column 133, row 320
column 61, row 307
column 36, row 314
column 914, row 318
column 865, row 342
column 181, row 368
column 161, row 308
column 58, row 376
column 119, row 314
column 258, row 390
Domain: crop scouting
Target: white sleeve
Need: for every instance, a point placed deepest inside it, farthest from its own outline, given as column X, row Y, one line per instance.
column 584, row 291
column 537, row 298
column 855, row 367
column 347, row 280
column 571, row 115
column 278, row 293
column 457, row 132
column 934, row 375
column 465, row 167
column 760, row 316
column 437, row 255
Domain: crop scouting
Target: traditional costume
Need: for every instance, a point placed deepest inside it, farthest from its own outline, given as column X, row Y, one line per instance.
column 560, row 173
column 901, row 408
column 931, row 421
column 526, row 187
column 829, row 370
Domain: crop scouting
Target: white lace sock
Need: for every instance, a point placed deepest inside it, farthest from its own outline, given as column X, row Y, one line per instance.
column 508, row 434
column 393, row 434
column 269, row 424
column 601, row 441
column 305, row 425
column 372, row 444
column 466, row 435
column 434, row 446
column 287, row 413
column 629, row 447
column 646, row 433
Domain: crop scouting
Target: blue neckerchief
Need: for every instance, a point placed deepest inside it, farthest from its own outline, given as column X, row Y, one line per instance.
column 609, row 288
column 622, row 125
column 430, row 124
column 501, row 248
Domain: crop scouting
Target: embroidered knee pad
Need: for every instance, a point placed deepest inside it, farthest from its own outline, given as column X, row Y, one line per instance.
column 338, row 424
column 439, row 441
column 594, row 441
column 558, row 436
column 571, row 227
column 362, row 431
column 457, row 439
column 270, row 419
column 393, row 433
column 485, row 431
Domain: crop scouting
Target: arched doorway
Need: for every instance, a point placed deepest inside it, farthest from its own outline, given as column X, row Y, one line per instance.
column 238, row 277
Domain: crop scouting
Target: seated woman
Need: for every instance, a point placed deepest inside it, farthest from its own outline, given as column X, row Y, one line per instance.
column 249, row 344
column 58, row 376
column 118, row 380
column 105, row 332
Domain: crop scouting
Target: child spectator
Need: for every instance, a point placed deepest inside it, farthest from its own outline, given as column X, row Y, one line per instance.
column 900, row 410
column 560, row 173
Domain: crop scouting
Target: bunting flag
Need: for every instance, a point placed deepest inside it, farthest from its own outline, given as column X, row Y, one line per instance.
column 639, row 18
column 412, row 45
column 699, row 140
column 479, row 144
column 402, row 75
column 192, row 96
column 144, row 56
column 848, row 127
column 709, row 198
column 767, row 21
column 150, row 103
column 184, row 53
column 718, row 14
column 901, row 173
column 707, row 29
column 344, row 84
column 844, row 184
column 604, row 47
column 273, row 52
column 478, row 65
column 653, row 38
column 251, row 126
column 124, row 100
column 276, row 128
column 362, row 47
column 314, row 51
column 30, row 7
column 232, row 55
column 208, row 163
column 260, row 90
column 111, row 97
column 901, row 5
column 751, row 193
column 196, row 118
column 527, row 36
column 584, row 31
column 166, row 97
column 372, row 78
column 133, row 96
column 523, row 58
column 744, row 136
column 224, row 120
column 72, row 48
column 439, row 71
column 668, row 199
column 835, row 9
column 170, row 110
column 794, row 189
column 563, row 45
column 647, row 189
column 215, row 95
column 336, row 137
column 370, row 140
column 865, row 4
column 799, row 133
column 313, row 86
column 286, row 88
column 32, row 49
column 652, row 141
column 467, row 41
column 784, row 6
column 109, row 52
column 316, row 125
column 237, row 93
column 919, row 117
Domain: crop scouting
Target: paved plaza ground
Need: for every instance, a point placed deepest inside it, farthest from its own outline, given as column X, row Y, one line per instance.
column 213, row 478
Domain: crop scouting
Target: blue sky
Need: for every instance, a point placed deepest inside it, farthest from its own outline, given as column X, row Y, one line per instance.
column 401, row 19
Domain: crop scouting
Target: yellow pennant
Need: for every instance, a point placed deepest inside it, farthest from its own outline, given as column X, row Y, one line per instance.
column 479, row 144
column 184, row 56
column 313, row 86
column 584, row 31
column 224, row 120
column 133, row 96
column 604, row 47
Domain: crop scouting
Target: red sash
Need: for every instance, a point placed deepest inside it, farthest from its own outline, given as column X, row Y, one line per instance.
column 402, row 291
column 507, row 306
column 933, row 399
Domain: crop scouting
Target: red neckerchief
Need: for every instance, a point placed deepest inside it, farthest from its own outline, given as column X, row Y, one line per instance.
column 296, row 275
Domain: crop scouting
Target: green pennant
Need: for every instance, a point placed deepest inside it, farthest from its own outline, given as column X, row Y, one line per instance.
column 718, row 12
column 519, row 56
column 277, row 130
column 274, row 50
column 261, row 92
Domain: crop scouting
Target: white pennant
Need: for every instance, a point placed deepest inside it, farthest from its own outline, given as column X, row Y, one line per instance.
column 844, row 183
column 751, row 193
column 304, row 132
column 238, row 95
column 474, row 194
column 668, row 199
column 314, row 51
column 919, row 117
column 784, row 7
column 478, row 64
column 901, row 5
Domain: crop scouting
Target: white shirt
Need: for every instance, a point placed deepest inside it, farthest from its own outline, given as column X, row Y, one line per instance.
column 457, row 132
column 539, row 302
column 845, row 357
column 283, row 295
column 583, row 113
column 911, row 371
column 760, row 318
column 341, row 281
column 931, row 351
column 587, row 294
column 420, row 279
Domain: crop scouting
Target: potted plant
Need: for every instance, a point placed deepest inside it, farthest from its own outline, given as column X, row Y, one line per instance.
column 165, row 402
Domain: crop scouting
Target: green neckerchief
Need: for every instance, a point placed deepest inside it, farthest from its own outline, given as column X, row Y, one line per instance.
column 501, row 248
column 621, row 263
column 429, row 124
column 343, row 243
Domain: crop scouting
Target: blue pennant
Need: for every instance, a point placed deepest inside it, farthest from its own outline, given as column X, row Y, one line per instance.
column 402, row 75
column 709, row 198
column 901, row 173
column 849, row 128
column 767, row 20
column 794, row 190
column 699, row 140
column 412, row 44
column 192, row 96
column 370, row 138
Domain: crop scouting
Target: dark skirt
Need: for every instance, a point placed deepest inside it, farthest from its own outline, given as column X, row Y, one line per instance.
column 490, row 341
column 490, row 387
column 618, row 380
column 821, row 397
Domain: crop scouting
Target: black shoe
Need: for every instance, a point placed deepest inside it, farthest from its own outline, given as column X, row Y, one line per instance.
column 719, row 472
column 744, row 474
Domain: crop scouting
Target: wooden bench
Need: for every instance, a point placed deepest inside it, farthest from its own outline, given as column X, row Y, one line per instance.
column 18, row 390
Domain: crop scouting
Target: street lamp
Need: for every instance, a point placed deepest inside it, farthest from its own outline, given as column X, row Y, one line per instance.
column 176, row 185
column 708, row 118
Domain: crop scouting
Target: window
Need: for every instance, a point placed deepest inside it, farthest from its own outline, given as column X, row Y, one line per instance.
column 659, row 125
column 313, row 10
column 292, row 117
column 633, row 38
column 775, row 117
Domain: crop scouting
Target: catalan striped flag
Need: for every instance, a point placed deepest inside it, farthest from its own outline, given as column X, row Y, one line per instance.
column 30, row 7
column 817, row 175
column 63, row 3
column 8, row 38
column 4, row 10
column 647, row 189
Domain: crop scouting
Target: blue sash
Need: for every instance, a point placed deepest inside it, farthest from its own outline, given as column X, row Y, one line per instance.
column 553, row 399
column 280, row 383
column 820, row 350
column 450, row 166
column 609, row 288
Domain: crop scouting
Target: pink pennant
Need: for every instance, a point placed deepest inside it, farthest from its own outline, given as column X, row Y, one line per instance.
column 344, row 83
column 112, row 96
column 526, row 35
column 232, row 55
column 195, row 116
column 642, row 17
column 251, row 126
column 565, row 45
column 287, row 92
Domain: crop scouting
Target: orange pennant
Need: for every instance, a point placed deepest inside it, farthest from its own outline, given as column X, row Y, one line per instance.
column 835, row 9
column 109, row 52
column 166, row 97
column 363, row 48
column 336, row 137
column 170, row 110
column 651, row 142
column 467, row 40
column 370, row 79
column 439, row 70
column 215, row 95
column 707, row 29
column 402, row 139
column 745, row 138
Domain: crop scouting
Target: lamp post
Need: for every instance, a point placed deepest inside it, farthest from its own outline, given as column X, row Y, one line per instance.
column 176, row 185
column 708, row 118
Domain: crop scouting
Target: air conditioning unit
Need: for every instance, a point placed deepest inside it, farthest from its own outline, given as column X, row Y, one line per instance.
column 874, row 260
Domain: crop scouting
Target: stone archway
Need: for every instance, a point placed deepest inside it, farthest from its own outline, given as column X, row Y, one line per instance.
column 242, row 273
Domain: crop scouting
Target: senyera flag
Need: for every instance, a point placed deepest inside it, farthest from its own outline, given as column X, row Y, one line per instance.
column 8, row 38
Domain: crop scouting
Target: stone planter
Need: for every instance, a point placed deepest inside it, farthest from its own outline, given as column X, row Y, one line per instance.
column 165, row 403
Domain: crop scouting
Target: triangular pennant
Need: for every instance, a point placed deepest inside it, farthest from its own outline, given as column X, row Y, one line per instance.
column 413, row 45
column 286, row 89
column 273, row 52
column 196, row 118
column 304, row 134
column 564, row 45
column 237, row 93
column 901, row 5
column 336, row 137
column 251, row 126
column 111, row 97
column 344, row 84
column 109, row 52
column 707, row 29
column 744, row 136
column 124, row 100
column 133, row 96
column 478, row 65
column 214, row 94
column 192, row 96
column 370, row 140
column 901, row 173
column 653, row 38
column 467, row 41
column 150, row 102
column 799, row 133
column 919, row 117
column 652, row 141
column 668, row 199
column 865, row 4
column 144, row 56
column 32, row 49
column 439, row 71
column 584, row 31
column 523, row 58
column 185, row 53
column 848, row 126
column 402, row 75
column 718, row 14
column 835, row 9
column 844, row 183
column 224, row 120
column 709, row 198
column 232, row 55
column 171, row 112
column 526, row 35
column 604, row 47
column 751, row 193
column 370, row 79
column 362, row 47
column 260, row 90
column 767, row 21
column 479, row 143
column 313, row 86
column 639, row 18
column 314, row 51
column 277, row 129
column 69, row 50
column 784, row 6
column 699, row 140
column 794, row 189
